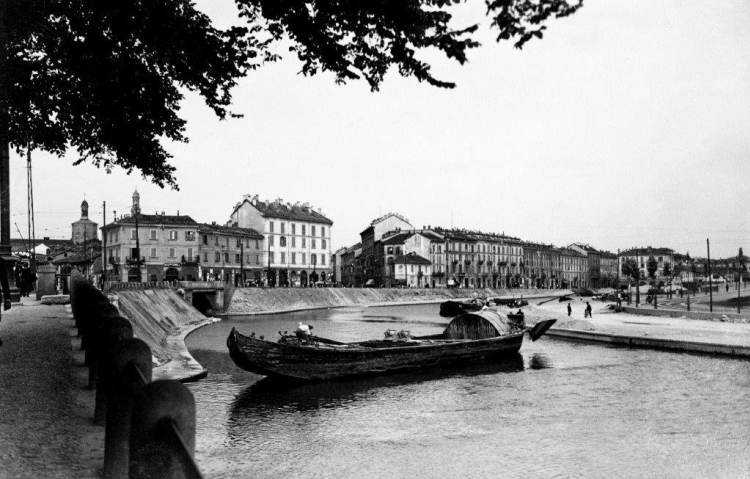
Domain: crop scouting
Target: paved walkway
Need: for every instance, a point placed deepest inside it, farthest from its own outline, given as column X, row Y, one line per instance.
column 674, row 329
column 46, row 427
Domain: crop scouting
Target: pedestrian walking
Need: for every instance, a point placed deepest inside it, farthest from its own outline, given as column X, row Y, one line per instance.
column 570, row 310
column 587, row 312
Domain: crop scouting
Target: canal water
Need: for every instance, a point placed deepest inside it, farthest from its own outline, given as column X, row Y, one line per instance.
column 557, row 409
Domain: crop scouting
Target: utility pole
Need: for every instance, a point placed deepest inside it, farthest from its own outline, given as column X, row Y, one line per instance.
column 242, row 263
column 104, row 242
column 710, row 282
column 739, row 279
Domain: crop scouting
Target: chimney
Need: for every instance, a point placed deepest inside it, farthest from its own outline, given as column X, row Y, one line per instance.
column 178, row 212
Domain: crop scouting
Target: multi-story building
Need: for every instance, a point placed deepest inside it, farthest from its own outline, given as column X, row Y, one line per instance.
column 155, row 247
column 573, row 269
column 337, row 263
column 230, row 254
column 474, row 259
column 372, row 266
column 298, row 240
column 412, row 270
column 541, row 265
column 351, row 270
column 424, row 243
column 641, row 256
column 594, row 260
column 609, row 269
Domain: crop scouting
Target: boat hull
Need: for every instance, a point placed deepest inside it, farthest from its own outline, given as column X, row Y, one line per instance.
column 302, row 362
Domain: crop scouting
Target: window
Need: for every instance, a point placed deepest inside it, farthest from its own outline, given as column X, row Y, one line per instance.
column 237, row 258
column 283, row 257
column 190, row 254
column 312, row 228
column 205, row 256
column 304, row 241
column 282, row 241
column 303, row 258
column 153, row 253
column 189, row 235
column 322, row 259
column 172, row 235
column 271, row 256
column 270, row 226
column 152, row 235
column 217, row 257
column 257, row 259
column 294, row 229
column 132, row 234
column 283, row 229
column 216, row 240
column 239, row 242
column 313, row 243
column 205, row 239
column 294, row 257
column 390, row 250
column 227, row 241
column 313, row 259
column 303, row 230
column 257, row 244
column 322, row 231
column 323, row 244
column 294, row 242
column 270, row 240
column 226, row 258
column 171, row 253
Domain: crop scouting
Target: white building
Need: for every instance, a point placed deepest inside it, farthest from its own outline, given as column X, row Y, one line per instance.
column 297, row 240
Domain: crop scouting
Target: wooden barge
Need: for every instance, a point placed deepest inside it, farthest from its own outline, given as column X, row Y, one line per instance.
column 469, row 338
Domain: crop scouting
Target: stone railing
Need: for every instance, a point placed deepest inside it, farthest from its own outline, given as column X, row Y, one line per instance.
column 149, row 426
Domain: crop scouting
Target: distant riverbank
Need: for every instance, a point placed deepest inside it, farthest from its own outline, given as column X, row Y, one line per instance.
column 253, row 301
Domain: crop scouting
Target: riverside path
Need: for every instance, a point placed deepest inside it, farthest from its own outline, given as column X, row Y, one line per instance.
column 46, row 426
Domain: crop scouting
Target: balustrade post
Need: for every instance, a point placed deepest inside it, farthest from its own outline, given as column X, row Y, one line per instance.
column 130, row 370
column 159, row 410
column 114, row 331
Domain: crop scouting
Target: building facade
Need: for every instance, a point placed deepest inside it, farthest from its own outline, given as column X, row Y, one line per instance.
column 156, row 247
column 573, row 269
column 298, row 240
column 663, row 257
column 230, row 254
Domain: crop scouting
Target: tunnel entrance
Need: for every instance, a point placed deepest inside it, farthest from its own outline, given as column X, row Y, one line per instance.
column 204, row 302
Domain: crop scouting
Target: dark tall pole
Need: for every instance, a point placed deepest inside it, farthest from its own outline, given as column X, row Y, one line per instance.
column 710, row 282
column 104, row 242
column 5, row 250
column 242, row 263
column 739, row 279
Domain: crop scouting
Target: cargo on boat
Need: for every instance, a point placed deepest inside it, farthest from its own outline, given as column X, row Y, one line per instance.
column 468, row 338
column 454, row 308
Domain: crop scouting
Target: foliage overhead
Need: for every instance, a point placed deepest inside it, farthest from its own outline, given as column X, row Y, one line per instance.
column 107, row 78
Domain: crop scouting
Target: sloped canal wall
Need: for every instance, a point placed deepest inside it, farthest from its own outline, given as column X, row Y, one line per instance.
column 162, row 318
column 249, row 301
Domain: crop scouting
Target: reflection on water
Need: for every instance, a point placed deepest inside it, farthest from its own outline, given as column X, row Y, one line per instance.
column 556, row 409
column 540, row 361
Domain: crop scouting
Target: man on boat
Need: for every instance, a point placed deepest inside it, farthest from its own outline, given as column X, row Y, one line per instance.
column 303, row 333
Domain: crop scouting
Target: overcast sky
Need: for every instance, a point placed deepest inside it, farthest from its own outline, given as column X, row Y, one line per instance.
column 627, row 125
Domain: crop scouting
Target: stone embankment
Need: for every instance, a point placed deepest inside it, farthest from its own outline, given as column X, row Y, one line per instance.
column 250, row 301
column 162, row 318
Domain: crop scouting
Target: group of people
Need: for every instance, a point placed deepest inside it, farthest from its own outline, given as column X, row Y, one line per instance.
column 25, row 279
column 586, row 311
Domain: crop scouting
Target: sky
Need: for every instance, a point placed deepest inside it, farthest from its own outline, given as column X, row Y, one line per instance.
column 627, row 125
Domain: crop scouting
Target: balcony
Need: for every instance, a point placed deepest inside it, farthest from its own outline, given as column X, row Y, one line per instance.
column 134, row 261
